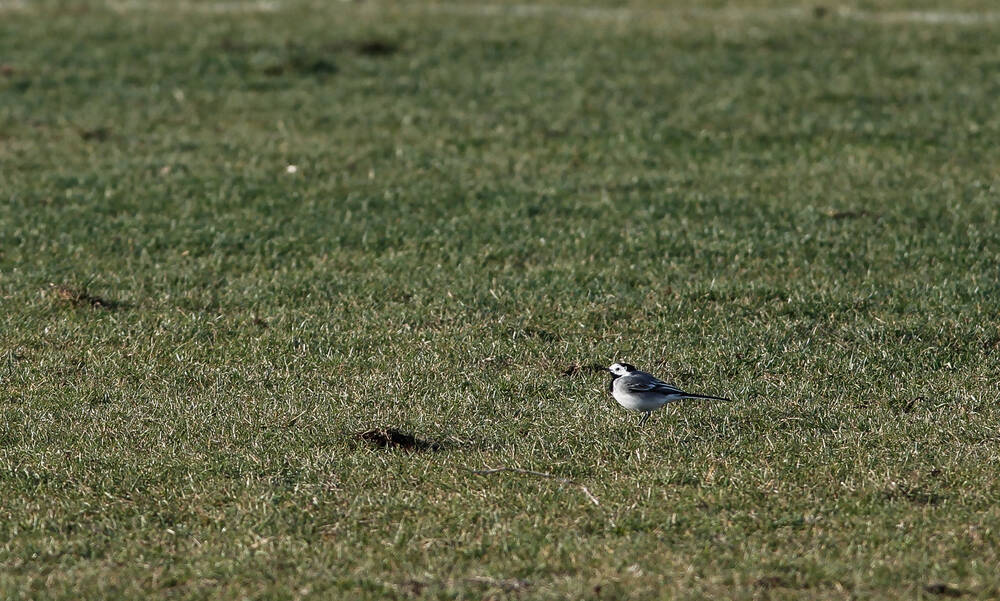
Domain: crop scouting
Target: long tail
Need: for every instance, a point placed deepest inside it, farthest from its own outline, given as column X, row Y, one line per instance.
column 688, row 395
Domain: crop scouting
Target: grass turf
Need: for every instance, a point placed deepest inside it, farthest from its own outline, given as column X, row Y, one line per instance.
column 794, row 209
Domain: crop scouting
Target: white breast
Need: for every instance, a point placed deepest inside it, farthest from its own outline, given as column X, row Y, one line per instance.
column 637, row 401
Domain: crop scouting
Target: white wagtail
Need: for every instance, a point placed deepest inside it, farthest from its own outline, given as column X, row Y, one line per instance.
column 639, row 391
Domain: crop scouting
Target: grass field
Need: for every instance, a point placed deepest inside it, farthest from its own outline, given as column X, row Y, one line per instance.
column 234, row 235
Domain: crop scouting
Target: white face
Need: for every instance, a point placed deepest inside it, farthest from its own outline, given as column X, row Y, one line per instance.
column 618, row 369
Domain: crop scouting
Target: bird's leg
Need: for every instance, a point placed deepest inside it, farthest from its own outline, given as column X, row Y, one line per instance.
column 644, row 417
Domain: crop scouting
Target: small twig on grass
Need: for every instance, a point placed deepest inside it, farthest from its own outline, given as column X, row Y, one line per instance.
column 488, row 472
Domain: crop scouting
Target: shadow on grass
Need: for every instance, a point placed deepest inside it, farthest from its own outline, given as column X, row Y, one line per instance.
column 79, row 297
column 573, row 368
column 917, row 496
column 391, row 438
column 944, row 590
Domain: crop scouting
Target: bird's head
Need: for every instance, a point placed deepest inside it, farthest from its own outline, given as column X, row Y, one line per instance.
column 621, row 369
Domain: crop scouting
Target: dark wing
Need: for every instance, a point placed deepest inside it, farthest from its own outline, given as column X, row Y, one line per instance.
column 654, row 384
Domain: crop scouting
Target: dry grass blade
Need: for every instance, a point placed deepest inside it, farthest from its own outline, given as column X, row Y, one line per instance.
column 508, row 585
column 514, row 470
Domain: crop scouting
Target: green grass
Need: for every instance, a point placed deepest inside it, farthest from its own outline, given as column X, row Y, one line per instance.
column 800, row 213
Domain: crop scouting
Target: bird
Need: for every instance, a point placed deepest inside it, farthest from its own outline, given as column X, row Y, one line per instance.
column 644, row 392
